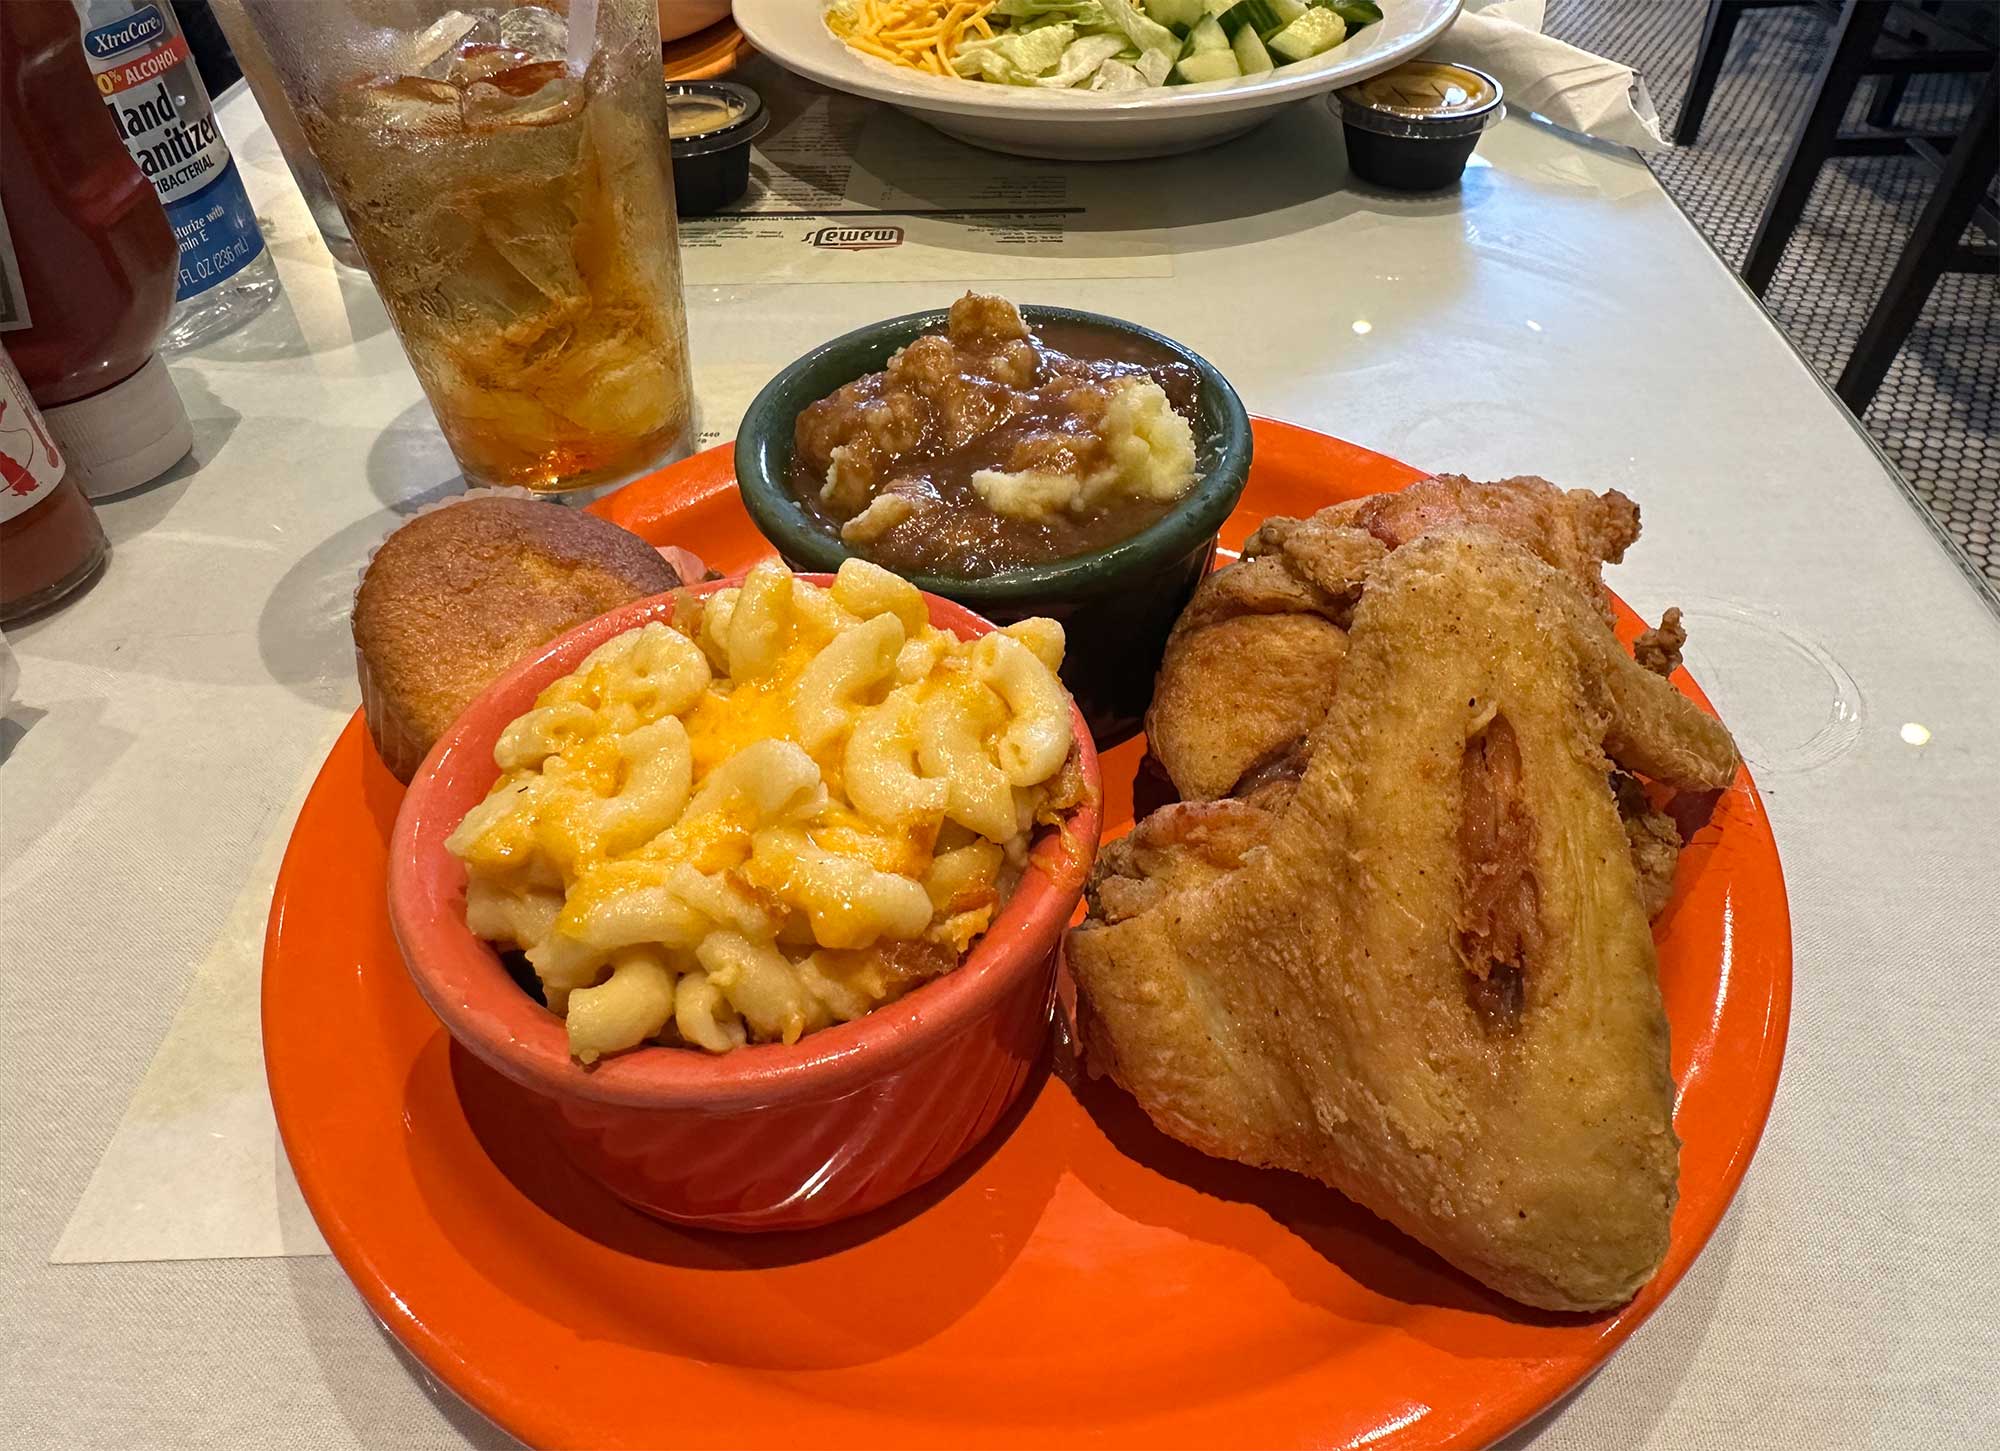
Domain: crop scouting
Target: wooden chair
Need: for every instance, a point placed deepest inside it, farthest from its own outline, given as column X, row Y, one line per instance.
column 1958, row 201
column 1717, row 30
column 1927, row 43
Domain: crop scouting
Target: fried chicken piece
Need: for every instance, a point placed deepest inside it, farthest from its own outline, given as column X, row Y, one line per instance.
column 1232, row 694
column 1655, row 730
column 1254, row 658
column 1182, row 845
column 1430, row 983
column 1333, row 555
column 1261, row 587
column 1577, row 532
column 1654, row 841
column 1659, row 649
column 1253, row 662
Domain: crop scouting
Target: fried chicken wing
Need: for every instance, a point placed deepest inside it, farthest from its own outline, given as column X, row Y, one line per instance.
column 1253, row 662
column 1427, row 979
column 1238, row 691
column 1577, row 532
column 1186, row 844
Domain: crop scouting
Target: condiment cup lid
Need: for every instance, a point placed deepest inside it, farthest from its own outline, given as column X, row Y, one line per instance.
column 709, row 116
column 1423, row 99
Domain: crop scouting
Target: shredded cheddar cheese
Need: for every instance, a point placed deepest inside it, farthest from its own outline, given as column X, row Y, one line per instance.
column 923, row 35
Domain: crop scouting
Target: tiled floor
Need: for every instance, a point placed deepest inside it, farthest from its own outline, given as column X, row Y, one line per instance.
column 1937, row 414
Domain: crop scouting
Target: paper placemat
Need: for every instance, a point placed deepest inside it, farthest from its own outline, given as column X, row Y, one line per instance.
column 195, row 1169
column 820, row 209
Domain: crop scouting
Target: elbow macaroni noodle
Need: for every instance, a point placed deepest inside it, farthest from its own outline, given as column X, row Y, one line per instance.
column 789, row 807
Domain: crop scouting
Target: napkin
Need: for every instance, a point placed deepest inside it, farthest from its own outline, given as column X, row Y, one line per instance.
column 1573, row 88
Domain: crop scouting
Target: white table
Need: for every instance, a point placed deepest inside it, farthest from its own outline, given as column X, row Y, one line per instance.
column 1558, row 317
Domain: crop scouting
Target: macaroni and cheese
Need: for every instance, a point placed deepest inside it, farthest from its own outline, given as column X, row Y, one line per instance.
column 789, row 807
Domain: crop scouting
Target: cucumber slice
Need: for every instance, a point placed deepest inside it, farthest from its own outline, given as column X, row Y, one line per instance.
column 1250, row 53
column 1207, row 35
column 1289, row 10
column 1257, row 15
column 1313, row 33
column 1209, row 65
column 1356, row 13
column 1176, row 15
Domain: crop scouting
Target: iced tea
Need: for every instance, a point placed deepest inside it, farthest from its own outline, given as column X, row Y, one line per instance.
column 516, row 212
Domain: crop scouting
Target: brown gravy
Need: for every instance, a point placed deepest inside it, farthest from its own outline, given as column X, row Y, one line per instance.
column 984, row 395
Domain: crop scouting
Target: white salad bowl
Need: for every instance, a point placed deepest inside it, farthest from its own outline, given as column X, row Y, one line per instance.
column 1086, row 125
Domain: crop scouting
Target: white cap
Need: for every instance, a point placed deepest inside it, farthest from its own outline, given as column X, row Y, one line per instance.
column 128, row 435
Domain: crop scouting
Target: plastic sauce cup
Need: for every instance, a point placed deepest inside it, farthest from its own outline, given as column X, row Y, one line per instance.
column 1413, row 128
column 712, row 124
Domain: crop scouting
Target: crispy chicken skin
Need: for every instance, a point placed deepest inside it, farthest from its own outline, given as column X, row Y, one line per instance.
column 1230, row 694
column 1659, row 649
column 1253, row 662
column 1427, row 977
column 1654, row 839
column 1577, row 532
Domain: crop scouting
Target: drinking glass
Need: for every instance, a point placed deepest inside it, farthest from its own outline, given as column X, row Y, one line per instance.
column 505, row 173
column 255, row 64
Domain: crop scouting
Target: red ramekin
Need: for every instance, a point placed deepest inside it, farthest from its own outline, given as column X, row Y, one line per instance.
column 768, row 1136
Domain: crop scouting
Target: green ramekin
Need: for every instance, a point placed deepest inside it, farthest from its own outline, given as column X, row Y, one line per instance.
column 1115, row 605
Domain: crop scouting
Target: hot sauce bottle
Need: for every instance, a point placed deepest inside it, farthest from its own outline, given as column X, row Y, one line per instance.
column 50, row 540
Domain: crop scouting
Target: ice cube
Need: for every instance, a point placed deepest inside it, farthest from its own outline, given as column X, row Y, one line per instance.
column 541, row 33
column 530, row 232
column 431, row 49
column 481, row 61
column 541, row 94
column 409, row 106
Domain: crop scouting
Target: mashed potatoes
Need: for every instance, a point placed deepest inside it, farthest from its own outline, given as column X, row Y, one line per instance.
column 1147, row 452
column 989, row 445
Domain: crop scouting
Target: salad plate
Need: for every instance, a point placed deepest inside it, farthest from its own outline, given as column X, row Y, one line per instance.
column 1082, row 124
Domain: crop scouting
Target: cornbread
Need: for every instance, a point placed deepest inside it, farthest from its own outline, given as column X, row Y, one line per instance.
column 457, row 595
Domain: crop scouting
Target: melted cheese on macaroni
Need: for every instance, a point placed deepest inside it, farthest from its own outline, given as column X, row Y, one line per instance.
column 791, row 806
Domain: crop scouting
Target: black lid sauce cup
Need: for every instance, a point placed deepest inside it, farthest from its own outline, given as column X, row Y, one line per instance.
column 1413, row 128
column 712, row 124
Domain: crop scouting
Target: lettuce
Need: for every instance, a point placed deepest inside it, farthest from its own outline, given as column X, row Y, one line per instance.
column 1158, row 46
column 1081, row 61
column 1154, row 66
column 1143, row 31
column 1117, row 75
column 1070, row 43
column 1017, row 57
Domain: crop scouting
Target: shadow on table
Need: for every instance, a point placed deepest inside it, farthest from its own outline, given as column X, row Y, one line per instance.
column 303, row 633
column 410, row 465
column 1287, row 176
column 277, row 332
column 1656, row 1359
column 19, row 721
column 77, row 745
column 344, row 1336
column 136, row 511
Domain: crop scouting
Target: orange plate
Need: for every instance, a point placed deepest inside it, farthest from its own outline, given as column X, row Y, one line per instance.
column 1079, row 1280
column 704, row 55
